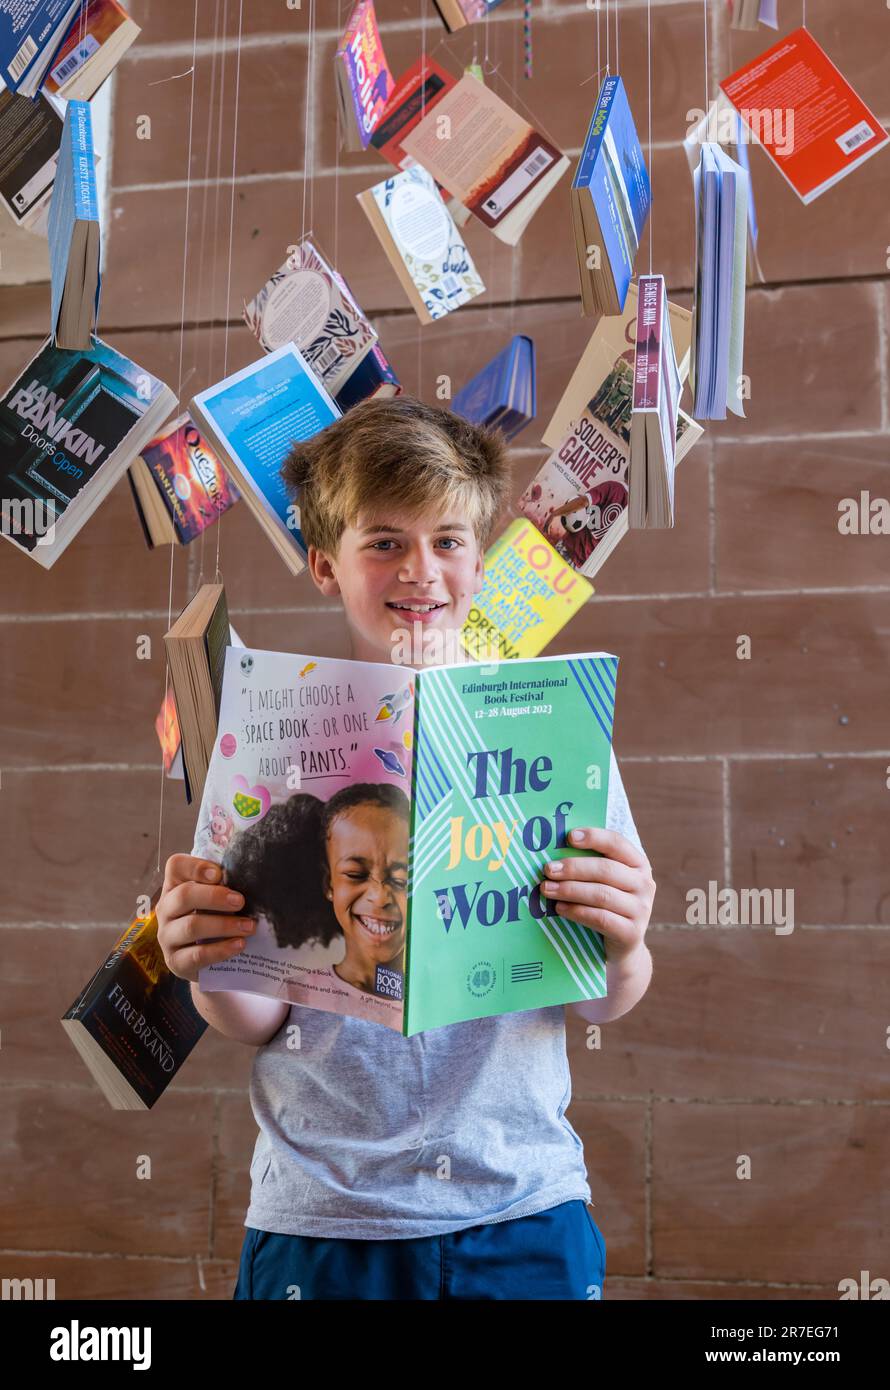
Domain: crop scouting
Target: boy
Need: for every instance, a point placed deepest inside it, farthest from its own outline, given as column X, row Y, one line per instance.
column 441, row 1165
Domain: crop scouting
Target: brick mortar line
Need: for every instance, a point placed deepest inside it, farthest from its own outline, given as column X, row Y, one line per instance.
column 751, row 756
column 395, row 311
column 116, row 1255
column 648, row 1185
column 182, row 48
column 656, row 926
column 726, row 791
column 679, row 596
column 218, row 1260
column 882, row 355
column 587, row 1097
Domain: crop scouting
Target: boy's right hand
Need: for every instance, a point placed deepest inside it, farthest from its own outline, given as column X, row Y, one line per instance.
column 192, row 896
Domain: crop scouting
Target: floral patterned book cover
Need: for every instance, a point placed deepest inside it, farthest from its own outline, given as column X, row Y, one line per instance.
column 422, row 241
column 307, row 303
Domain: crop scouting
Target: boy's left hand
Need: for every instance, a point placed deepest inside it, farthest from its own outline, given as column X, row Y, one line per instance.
column 611, row 891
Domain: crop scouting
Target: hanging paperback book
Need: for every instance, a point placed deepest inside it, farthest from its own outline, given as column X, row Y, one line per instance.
column 802, row 109
column 718, row 325
column 364, row 81
column 307, row 303
column 528, row 596
column 611, row 198
column 493, row 161
column 656, row 403
column 422, row 243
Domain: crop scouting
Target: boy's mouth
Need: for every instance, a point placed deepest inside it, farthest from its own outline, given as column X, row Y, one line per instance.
column 417, row 610
column 380, row 928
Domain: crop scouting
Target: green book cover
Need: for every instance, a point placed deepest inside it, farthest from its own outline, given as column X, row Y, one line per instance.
column 507, row 760
column 389, row 829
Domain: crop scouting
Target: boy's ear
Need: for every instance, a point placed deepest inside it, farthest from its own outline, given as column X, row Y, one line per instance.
column 322, row 571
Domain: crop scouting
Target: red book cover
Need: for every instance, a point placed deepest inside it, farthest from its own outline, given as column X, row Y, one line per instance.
column 189, row 477
column 804, row 112
column 416, row 93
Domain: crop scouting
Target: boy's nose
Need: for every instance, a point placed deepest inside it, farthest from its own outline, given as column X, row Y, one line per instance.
column 420, row 566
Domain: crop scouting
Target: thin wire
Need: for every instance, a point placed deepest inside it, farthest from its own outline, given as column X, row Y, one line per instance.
column 306, row 118
column 202, row 238
column 617, row 58
column 707, row 89
column 337, row 157
column 188, row 189
column 422, row 114
column 231, row 230
column 608, row 42
column 649, row 79
column 211, row 339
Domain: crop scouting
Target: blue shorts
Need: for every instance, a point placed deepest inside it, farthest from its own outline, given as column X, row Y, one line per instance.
column 555, row 1254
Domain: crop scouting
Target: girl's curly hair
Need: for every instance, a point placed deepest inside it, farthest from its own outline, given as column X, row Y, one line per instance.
column 277, row 865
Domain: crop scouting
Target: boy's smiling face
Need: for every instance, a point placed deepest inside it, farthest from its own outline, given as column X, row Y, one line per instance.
column 393, row 571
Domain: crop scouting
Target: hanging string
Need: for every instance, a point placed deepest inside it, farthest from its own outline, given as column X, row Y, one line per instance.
column 306, row 126
column 707, row 89
column 804, row 13
column 649, row 81
column 608, row 42
column 617, row 58
column 202, row 237
column 211, row 338
column 217, row 578
column 422, row 114
column 339, row 137
column 527, row 37
column 185, row 246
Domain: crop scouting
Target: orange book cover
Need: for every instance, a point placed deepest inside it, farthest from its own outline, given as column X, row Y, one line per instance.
column 804, row 112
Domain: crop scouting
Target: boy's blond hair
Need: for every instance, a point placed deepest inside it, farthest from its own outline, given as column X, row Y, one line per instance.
column 397, row 455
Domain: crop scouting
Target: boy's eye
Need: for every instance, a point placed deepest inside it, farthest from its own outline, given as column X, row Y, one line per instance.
column 375, row 545
column 451, row 540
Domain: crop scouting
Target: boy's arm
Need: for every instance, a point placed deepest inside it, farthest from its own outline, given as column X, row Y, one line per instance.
column 200, row 924
column 245, row 1018
column 626, row 982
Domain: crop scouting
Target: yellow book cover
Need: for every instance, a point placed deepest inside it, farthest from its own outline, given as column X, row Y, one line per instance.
column 529, row 594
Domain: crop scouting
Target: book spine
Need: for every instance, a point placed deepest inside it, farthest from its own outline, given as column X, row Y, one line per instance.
column 647, row 360
column 412, row 830
column 92, row 990
column 83, row 161
column 595, row 132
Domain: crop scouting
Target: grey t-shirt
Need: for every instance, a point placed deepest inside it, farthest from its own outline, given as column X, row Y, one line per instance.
column 368, row 1135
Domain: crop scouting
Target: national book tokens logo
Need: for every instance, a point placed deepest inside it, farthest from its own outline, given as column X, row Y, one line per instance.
column 481, row 979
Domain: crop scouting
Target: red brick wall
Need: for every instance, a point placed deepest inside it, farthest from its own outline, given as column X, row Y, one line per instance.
column 768, row 773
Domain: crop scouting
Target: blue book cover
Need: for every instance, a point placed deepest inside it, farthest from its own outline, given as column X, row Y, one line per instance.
column 503, row 392
column 612, row 170
column 373, row 376
column 30, row 31
column 74, row 200
column 253, row 417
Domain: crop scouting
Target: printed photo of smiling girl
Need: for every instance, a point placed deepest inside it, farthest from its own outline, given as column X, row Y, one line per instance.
column 326, row 874
column 365, row 873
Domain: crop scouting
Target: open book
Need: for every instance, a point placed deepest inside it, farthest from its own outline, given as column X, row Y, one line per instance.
column 390, row 829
